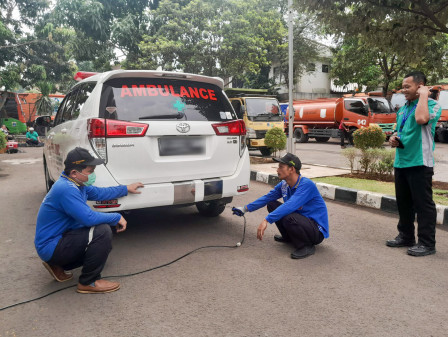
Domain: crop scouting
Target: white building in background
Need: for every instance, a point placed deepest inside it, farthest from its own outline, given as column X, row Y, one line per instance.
column 314, row 83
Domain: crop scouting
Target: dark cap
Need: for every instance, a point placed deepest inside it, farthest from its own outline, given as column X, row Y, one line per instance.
column 290, row 160
column 80, row 156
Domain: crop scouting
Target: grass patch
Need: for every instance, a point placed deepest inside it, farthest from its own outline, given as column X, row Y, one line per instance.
column 440, row 196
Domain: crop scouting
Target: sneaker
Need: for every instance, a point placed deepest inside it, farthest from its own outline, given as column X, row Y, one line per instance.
column 58, row 273
column 303, row 252
column 98, row 287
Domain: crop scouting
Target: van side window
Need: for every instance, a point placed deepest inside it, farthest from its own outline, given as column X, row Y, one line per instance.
column 83, row 94
column 355, row 105
column 62, row 112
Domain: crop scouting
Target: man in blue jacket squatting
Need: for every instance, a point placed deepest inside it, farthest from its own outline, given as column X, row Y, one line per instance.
column 302, row 219
column 69, row 234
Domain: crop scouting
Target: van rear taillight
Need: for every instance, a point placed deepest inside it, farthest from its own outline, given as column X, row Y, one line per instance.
column 235, row 128
column 115, row 128
column 100, row 129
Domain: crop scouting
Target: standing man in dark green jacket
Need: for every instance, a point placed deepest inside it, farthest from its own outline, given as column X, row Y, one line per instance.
column 414, row 166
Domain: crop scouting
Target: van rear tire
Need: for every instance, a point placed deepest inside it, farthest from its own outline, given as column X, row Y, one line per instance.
column 300, row 136
column 211, row 208
column 48, row 182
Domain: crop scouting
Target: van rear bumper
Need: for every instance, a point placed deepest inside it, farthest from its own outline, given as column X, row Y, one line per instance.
column 185, row 192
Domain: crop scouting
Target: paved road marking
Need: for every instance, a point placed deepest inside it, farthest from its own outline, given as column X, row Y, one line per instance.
column 29, row 161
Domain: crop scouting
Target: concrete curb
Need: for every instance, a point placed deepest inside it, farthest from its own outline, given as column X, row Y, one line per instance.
column 378, row 201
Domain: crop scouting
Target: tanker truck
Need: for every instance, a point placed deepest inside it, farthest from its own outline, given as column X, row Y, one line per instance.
column 320, row 118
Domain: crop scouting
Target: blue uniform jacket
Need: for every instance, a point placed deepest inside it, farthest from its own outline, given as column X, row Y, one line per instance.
column 65, row 208
column 303, row 198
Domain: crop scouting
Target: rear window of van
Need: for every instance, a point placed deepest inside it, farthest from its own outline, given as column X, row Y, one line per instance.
column 138, row 99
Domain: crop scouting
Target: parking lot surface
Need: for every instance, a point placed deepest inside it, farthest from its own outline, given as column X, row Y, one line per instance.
column 353, row 286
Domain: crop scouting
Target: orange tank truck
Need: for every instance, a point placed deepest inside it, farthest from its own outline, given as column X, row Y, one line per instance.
column 320, row 118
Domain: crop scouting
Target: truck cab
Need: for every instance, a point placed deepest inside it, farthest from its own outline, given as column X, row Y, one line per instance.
column 260, row 113
column 367, row 109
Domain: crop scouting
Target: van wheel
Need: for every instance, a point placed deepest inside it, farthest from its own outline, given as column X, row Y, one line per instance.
column 210, row 208
column 322, row 139
column 48, row 182
column 300, row 136
column 265, row 151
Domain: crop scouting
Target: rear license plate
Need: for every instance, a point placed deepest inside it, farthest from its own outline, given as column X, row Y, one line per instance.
column 181, row 146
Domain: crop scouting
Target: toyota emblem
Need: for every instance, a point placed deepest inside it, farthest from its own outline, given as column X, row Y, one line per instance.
column 183, row 127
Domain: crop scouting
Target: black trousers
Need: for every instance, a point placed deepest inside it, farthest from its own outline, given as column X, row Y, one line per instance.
column 300, row 230
column 32, row 142
column 413, row 189
column 348, row 135
column 74, row 250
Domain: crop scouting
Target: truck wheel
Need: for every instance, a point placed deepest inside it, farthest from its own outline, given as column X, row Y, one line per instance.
column 300, row 136
column 210, row 208
column 322, row 139
column 265, row 151
column 48, row 182
column 442, row 135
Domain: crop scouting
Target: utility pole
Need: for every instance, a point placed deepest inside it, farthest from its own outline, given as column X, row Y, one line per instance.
column 290, row 143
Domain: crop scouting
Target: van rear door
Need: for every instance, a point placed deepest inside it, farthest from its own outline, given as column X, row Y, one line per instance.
column 157, row 130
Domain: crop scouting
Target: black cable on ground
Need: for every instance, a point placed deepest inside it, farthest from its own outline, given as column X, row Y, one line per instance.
column 136, row 273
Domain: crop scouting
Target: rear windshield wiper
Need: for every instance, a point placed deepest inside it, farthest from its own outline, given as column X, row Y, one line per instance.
column 178, row 116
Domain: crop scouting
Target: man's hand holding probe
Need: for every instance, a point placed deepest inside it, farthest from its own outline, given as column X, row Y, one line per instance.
column 122, row 223
column 264, row 224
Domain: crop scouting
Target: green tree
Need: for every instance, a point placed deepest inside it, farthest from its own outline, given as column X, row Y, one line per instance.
column 385, row 38
column 213, row 37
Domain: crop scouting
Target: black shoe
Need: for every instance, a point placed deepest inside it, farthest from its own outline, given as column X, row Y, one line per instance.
column 421, row 250
column 303, row 252
column 400, row 242
column 280, row 238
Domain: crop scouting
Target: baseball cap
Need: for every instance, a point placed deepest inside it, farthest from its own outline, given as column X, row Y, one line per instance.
column 290, row 160
column 31, row 129
column 80, row 156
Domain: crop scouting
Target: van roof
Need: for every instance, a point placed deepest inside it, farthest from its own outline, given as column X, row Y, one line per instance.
column 103, row 77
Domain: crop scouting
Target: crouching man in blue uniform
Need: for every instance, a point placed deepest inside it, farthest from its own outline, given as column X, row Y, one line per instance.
column 302, row 218
column 69, row 234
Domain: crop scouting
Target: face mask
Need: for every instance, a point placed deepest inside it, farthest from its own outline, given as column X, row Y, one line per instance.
column 91, row 179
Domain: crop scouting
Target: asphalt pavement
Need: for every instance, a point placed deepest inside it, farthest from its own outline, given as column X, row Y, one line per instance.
column 353, row 286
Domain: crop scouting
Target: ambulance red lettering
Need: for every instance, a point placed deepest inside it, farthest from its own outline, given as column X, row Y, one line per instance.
column 139, row 91
column 183, row 92
column 203, row 92
column 152, row 90
column 172, row 92
column 211, row 94
column 194, row 93
column 165, row 91
column 125, row 91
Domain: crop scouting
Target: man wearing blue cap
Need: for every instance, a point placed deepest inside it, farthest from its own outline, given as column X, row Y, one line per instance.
column 69, row 234
column 302, row 218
